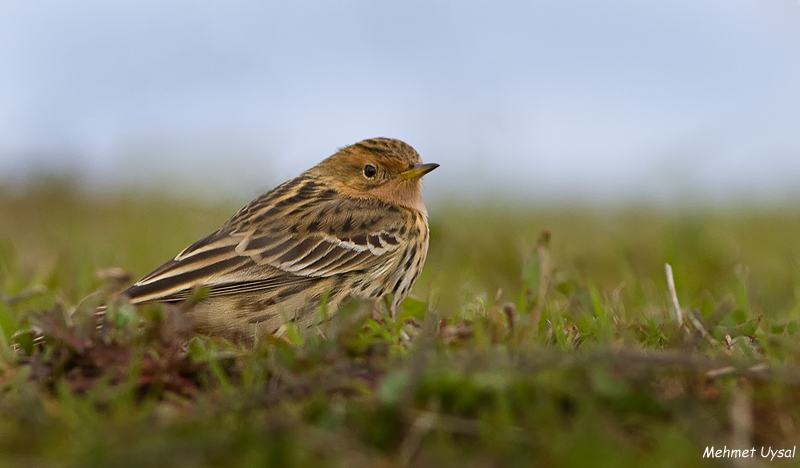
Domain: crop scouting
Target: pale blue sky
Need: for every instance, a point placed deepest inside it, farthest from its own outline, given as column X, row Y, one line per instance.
column 543, row 100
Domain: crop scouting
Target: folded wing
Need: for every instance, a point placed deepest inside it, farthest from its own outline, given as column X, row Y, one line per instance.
column 271, row 244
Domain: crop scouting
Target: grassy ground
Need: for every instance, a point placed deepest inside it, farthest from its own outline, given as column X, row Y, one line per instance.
column 516, row 352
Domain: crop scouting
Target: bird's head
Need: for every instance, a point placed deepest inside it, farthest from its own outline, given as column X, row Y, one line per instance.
column 380, row 168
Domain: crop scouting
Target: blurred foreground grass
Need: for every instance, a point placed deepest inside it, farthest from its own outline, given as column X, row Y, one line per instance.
column 565, row 355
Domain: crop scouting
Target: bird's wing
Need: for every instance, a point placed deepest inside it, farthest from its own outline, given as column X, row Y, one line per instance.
column 274, row 244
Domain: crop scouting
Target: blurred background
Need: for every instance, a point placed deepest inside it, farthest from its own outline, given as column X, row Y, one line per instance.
column 536, row 101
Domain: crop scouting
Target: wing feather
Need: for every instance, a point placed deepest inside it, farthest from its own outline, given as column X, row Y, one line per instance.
column 334, row 236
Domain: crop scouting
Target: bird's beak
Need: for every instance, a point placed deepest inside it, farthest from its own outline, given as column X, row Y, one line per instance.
column 417, row 171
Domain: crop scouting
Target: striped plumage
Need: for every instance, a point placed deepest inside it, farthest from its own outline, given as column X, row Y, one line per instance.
column 352, row 226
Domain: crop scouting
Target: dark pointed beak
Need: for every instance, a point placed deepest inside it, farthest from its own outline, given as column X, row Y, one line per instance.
column 417, row 171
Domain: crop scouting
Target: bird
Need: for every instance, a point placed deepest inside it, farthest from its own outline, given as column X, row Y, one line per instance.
column 353, row 226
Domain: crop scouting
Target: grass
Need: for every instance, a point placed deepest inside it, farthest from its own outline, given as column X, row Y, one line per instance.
column 519, row 349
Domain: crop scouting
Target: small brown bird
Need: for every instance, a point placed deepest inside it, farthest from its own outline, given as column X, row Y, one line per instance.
column 352, row 226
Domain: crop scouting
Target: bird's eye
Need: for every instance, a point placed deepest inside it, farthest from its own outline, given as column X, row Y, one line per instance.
column 370, row 171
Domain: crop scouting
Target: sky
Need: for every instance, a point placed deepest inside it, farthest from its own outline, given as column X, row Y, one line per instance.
column 537, row 101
